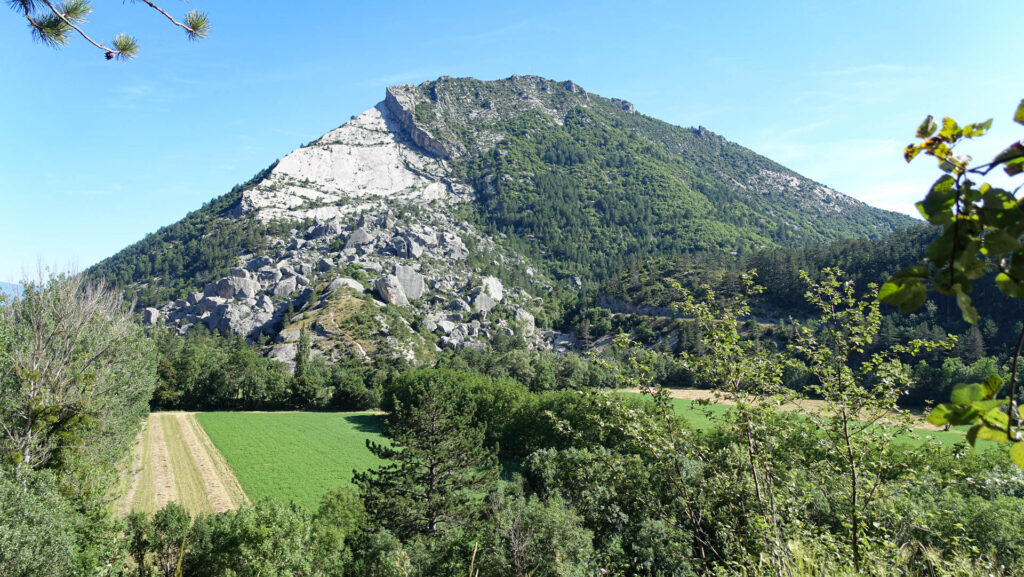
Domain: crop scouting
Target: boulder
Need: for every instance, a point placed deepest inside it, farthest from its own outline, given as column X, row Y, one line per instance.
column 411, row 281
column 492, row 286
column 358, row 238
column 452, row 246
column 237, row 319
column 234, row 287
column 208, row 304
column 239, row 273
column 269, row 275
column 265, row 304
column 345, row 282
column 483, row 303
column 390, row 290
column 150, row 316
column 324, row 265
column 284, row 352
column 331, row 228
column 445, row 327
column 284, row 287
column 415, row 249
column 526, row 322
column 258, row 263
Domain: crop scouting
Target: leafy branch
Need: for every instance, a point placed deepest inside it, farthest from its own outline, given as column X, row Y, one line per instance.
column 982, row 226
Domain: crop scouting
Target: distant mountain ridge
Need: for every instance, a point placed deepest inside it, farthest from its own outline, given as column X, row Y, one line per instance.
column 446, row 213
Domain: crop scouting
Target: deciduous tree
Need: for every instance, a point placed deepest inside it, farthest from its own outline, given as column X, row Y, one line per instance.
column 78, row 375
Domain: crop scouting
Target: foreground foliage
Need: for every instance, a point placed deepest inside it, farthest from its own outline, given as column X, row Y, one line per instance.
column 982, row 226
column 76, row 374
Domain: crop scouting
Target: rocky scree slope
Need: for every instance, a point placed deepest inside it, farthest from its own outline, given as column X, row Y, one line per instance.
column 432, row 219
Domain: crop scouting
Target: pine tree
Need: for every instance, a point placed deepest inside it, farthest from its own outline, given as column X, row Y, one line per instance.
column 55, row 23
column 439, row 471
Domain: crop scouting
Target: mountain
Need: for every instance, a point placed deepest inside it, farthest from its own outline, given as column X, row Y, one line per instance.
column 458, row 210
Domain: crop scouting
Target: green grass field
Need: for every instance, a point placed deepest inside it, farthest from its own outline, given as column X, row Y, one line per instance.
column 704, row 416
column 293, row 456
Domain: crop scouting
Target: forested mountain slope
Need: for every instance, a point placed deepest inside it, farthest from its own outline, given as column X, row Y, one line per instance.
column 583, row 181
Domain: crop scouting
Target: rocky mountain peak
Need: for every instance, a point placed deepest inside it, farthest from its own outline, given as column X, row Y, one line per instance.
column 431, row 219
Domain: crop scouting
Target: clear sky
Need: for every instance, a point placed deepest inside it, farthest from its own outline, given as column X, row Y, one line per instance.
column 95, row 154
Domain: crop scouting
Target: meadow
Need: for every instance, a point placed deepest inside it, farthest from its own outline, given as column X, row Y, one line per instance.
column 294, row 456
column 705, row 415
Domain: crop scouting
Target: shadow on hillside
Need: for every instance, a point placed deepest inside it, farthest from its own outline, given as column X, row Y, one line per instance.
column 365, row 423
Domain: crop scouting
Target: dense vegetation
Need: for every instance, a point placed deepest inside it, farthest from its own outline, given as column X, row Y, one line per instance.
column 606, row 483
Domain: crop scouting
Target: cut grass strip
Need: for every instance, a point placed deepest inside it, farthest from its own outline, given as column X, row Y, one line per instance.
column 141, row 493
column 191, row 490
column 296, row 457
column 161, row 486
column 223, row 471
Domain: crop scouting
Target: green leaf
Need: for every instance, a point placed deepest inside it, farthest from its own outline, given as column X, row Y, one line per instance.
column 977, row 129
column 992, row 385
column 126, row 46
column 1018, row 117
column 982, row 432
column 940, row 415
column 1016, row 150
column 907, row 296
column 995, row 417
column 1009, row 287
column 970, row 314
column 1017, row 454
column 911, row 151
column 1014, row 167
column 927, row 128
column 972, row 433
column 950, row 129
column 969, row 393
column 198, row 24
column 938, row 204
column 999, row 242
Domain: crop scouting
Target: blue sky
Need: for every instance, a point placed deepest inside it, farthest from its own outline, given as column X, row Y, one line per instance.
column 95, row 154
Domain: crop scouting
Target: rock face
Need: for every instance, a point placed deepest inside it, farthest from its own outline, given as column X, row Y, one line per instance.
column 351, row 169
column 421, row 137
